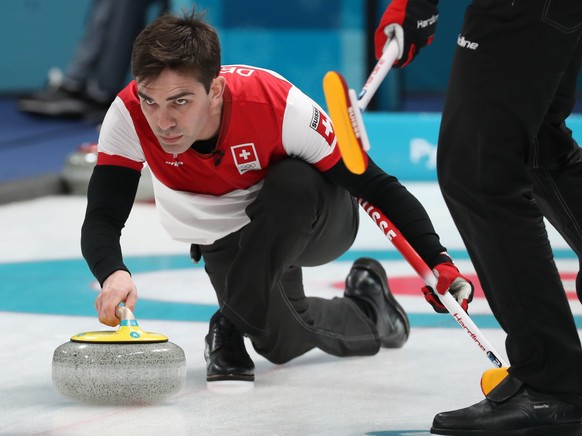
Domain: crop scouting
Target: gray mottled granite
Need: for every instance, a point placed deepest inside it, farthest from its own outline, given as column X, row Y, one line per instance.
column 117, row 374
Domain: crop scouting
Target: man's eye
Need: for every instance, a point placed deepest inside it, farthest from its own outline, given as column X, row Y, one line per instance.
column 181, row 101
column 149, row 101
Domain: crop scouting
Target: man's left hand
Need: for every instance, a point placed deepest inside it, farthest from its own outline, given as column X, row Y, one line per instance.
column 449, row 279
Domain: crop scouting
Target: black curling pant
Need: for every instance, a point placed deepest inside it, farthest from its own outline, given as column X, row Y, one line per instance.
column 505, row 160
column 298, row 219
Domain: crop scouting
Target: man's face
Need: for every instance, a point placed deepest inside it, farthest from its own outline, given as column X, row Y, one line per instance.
column 179, row 110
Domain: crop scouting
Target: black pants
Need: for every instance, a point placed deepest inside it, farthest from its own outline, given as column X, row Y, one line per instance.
column 505, row 160
column 298, row 219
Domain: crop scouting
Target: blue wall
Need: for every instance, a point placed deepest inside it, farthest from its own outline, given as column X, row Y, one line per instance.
column 36, row 35
column 302, row 40
column 404, row 144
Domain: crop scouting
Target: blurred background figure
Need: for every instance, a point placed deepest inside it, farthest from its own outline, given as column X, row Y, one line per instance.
column 99, row 68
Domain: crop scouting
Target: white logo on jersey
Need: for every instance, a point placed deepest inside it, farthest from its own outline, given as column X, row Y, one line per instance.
column 175, row 163
column 245, row 157
column 245, row 72
column 322, row 125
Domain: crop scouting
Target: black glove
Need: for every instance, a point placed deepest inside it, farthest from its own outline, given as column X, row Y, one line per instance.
column 412, row 23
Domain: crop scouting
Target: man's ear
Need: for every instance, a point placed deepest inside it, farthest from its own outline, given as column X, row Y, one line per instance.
column 217, row 88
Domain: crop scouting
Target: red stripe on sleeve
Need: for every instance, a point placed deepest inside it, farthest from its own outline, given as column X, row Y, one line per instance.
column 120, row 161
column 329, row 161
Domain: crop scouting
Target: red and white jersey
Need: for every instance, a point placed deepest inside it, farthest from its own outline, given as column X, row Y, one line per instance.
column 265, row 119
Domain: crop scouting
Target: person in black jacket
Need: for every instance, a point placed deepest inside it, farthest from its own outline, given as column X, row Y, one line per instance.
column 506, row 160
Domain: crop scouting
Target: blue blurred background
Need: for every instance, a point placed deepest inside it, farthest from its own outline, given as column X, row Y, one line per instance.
column 300, row 39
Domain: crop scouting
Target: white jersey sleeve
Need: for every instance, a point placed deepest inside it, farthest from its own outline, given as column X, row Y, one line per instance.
column 118, row 136
column 307, row 129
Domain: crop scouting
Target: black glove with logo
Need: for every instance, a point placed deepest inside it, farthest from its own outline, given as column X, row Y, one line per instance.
column 412, row 23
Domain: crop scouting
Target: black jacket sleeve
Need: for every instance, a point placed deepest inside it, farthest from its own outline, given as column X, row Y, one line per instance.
column 110, row 198
column 397, row 203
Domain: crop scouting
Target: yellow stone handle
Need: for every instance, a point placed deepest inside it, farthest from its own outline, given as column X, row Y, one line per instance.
column 128, row 331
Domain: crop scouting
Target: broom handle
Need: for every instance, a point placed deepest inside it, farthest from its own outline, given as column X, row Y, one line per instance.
column 378, row 74
column 427, row 275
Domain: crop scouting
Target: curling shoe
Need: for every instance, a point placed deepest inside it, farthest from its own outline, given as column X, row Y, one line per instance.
column 367, row 285
column 225, row 353
column 512, row 409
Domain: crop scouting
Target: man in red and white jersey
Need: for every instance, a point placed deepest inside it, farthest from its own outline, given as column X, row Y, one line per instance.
column 246, row 170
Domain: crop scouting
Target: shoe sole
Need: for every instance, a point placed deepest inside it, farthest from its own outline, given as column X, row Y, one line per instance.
column 372, row 265
column 230, row 386
column 231, row 377
column 574, row 429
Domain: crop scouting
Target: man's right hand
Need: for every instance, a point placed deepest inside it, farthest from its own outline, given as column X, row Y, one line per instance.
column 412, row 23
column 117, row 288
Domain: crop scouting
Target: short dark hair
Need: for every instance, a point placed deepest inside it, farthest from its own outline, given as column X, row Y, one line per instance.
column 186, row 44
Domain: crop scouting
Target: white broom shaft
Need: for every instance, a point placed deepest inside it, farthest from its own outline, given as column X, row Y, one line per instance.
column 378, row 74
column 427, row 275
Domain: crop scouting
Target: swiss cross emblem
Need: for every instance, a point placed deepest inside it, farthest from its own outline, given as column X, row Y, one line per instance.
column 245, row 157
column 322, row 125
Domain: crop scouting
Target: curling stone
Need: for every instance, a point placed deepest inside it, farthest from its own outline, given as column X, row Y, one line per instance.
column 127, row 366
